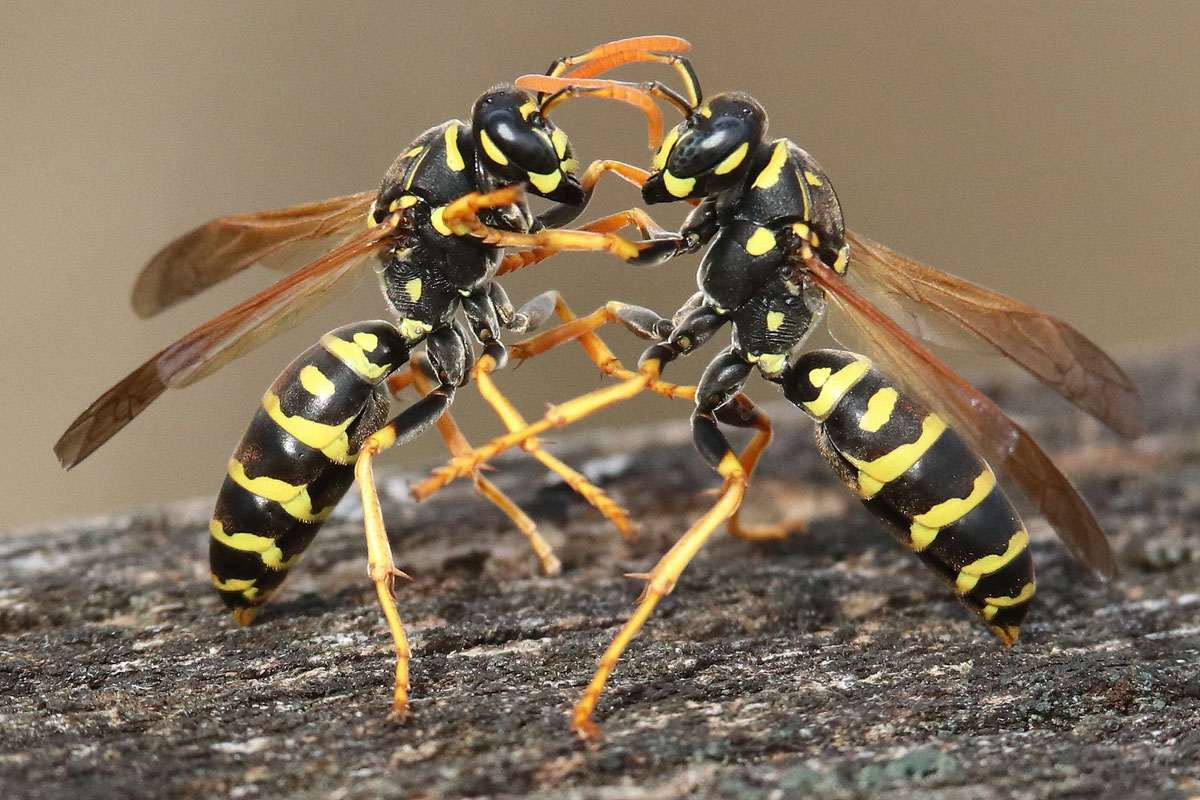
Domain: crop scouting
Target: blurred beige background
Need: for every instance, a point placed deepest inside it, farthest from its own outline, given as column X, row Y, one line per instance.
column 1048, row 150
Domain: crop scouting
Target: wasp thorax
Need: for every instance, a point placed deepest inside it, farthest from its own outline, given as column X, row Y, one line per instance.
column 517, row 144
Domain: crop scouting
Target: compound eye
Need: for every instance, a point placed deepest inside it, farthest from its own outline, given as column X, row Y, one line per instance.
column 515, row 140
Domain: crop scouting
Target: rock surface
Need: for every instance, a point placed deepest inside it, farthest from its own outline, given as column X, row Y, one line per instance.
column 830, row 665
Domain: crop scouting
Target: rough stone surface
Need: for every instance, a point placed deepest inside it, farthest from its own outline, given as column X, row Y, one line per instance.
column 830, row 665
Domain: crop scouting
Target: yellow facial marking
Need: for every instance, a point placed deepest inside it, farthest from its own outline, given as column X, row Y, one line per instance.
column 233, row 584
column 774, row 168
column 664, row 149
column 818, row 376
column 416, row 151
column 559, row 138
column 761, row 241
column 414, row 329
column 329, row 439
column 404, row 201
column 952, row 510
column 413, row 289
column 892, row 465
column 527, row 108
column 879, row 409
column 843, row 258
column 835, row 386
column 294, row 499
column 315, row 382
column 489, row 147
column 774, row 320
column 969, row 575
column 704, row 111
column 812, row 178
column 367, row 341
column 545, row 183
column 454, row 159
column 732, row 161
column 265, row 546
column 678, row 187
column 353, row 356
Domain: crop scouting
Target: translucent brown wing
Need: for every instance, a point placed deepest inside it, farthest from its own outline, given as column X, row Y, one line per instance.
column 1004, row 443
column 1053, row 351
column 225, row 246
column 215, row 343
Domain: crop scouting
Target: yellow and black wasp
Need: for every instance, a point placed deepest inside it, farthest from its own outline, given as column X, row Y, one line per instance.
column 900, row 428
column 445, row 209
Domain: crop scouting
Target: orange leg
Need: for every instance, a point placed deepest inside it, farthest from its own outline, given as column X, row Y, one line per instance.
column 661, row 580
column 749, row 460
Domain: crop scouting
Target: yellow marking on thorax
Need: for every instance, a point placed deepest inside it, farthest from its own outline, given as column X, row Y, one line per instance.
column 367, row 341
column 761, row 241
column 806, row 233
column 413, row 289
column 835, row 386
column 818, row 376
column 731, row 161
column 265, row 546
column 969, row 575
column 768, row 363
column 412, row 169
column 925, row 527
column 439, row 223
column 559, row 138
column 403, row 201
column 545, row 183
column 774, row 320
column 454, row 159
column 414, row 329
column 879, row 409
column 352, row 354
column 843, row 259
column 329, row 439
column 293, row 499
column 315, row 382
column 489, row 147
column 664, row 150
column 371, row 223
column 895, row 463
column 416, row 151
column 678, row 187
column 812, row 178
column 774, row 168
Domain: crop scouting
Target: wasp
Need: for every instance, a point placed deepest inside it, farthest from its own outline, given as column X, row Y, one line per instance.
column 438, row 224
column 912, row 439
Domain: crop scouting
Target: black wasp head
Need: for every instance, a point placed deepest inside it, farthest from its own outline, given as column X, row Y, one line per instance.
column 516, row 144
column 708, row 153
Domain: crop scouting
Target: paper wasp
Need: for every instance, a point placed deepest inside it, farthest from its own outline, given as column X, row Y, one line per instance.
column 900, row 428
column 445, row 208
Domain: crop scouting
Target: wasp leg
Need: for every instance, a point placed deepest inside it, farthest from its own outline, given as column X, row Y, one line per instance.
column 741, row 412
column 461, row 217
column 513, row 420
column 563, row 214
column 458, row 445
column 695, row 329
column 661, row 580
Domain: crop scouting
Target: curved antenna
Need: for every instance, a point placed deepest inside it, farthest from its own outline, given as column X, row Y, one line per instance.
column 610, row 55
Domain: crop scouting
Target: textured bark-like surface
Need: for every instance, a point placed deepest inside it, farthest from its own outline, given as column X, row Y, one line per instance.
column 829, row 665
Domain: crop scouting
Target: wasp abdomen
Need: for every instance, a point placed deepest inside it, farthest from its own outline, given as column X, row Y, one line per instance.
column 919, row 476
column 296, row 459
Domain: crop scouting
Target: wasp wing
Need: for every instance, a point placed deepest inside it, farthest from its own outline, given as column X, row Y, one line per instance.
column 215, row 343
column 1004, row 443
column 227, row 245
column 1050, row 349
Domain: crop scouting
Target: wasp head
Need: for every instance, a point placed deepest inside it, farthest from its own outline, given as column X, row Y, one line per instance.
column 709, row 152
column 517, row 144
